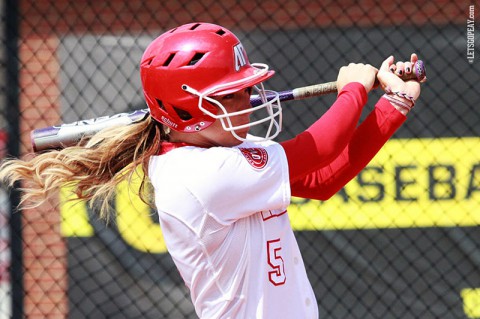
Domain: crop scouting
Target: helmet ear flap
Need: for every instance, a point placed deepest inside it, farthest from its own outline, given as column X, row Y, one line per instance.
column 181, row 114
column 173, row 116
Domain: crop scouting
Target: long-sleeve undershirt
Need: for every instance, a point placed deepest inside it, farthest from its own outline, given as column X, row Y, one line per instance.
column 334, row 149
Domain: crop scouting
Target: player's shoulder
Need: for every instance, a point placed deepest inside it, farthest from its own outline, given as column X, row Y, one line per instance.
column 187, row 158
column 269, row 146
column 190, row 157
column 252, row 143
column 258, row 141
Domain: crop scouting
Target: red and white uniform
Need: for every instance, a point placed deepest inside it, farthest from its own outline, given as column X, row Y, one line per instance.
column 223, row 211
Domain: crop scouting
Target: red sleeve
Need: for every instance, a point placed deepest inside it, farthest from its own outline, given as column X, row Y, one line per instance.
column 365, row 143
column 327, row 137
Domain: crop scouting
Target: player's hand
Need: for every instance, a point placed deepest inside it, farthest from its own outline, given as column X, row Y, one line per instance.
column 357, row 72
column 389, row 72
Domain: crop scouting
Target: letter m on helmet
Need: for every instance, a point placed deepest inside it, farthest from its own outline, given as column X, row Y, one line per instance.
column 240, row 56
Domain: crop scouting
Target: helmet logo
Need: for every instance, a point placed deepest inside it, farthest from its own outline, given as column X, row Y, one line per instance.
column 240, row 56
column 168, row 122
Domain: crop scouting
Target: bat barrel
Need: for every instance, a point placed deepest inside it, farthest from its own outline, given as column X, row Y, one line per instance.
column 57, row 137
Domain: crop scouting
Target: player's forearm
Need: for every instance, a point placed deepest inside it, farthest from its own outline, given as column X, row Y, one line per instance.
column 365, row 143
column 325, row 139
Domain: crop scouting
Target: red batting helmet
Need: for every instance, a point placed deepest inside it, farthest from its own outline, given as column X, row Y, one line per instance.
column 185, row 65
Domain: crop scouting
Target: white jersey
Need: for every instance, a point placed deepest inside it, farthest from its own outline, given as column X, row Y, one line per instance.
column 223, row 213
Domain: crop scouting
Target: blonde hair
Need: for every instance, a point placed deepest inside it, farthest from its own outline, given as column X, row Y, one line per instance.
column 93, row 167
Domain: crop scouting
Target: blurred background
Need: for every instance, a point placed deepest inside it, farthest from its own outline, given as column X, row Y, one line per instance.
column 402, row 240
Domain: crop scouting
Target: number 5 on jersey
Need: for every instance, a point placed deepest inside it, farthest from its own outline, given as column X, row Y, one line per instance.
column 277, row 275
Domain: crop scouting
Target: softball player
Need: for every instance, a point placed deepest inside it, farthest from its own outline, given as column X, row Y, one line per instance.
column 222, row 194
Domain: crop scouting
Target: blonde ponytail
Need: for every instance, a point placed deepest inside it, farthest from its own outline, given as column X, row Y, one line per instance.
column 93, row 168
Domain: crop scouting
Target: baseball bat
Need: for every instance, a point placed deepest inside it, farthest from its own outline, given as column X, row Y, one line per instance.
column 64, row 135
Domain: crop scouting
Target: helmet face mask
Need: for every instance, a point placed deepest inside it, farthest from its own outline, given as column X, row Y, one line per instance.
column 184, row 68
column 270, row 107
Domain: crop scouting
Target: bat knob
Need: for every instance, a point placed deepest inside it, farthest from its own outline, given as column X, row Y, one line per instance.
column 420, row 71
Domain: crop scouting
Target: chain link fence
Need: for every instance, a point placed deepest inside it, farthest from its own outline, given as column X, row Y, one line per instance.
column 399, row 241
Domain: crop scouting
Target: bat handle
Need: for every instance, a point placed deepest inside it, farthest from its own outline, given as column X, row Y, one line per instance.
column 418, row 73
